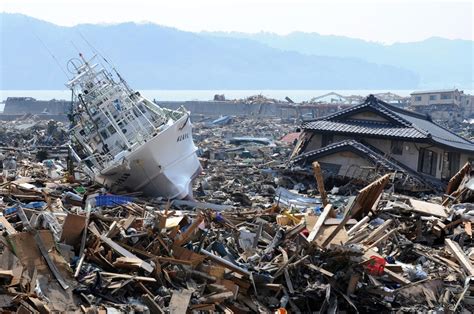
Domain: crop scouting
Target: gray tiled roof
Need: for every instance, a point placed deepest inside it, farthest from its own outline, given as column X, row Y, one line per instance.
column 366, row 128
column 401, row 124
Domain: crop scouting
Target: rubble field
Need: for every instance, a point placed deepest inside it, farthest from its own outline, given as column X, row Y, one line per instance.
column 257, row 237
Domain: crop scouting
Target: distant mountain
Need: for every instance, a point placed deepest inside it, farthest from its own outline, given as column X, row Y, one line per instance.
column 439, row 62
column 150, row 56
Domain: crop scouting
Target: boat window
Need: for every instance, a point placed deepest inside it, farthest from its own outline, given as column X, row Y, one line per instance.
column 96, row 139
column 93, row 111
column 105, row 134
column 111, row 129
column 136, row 112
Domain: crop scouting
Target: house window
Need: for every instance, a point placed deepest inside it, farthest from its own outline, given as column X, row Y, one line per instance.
column 397, row 147
column 445, row 96
column 453, row 163
column 427, row 161
column 417, row 98
column 432, row 97
column 326, row 140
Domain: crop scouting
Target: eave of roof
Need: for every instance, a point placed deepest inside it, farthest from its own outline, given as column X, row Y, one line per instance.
column 366, row 128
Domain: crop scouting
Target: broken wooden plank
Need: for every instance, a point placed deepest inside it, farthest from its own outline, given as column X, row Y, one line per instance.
column 455, row 180
column 184, row 237
column 125, row 276
column 364, row 201
column 429, row 209
column 396, row 277
column 376, row 233
column 358, row 225
column 463, row 260
column 216, row 298
column 320, row 183
column 382, row 238
column 319, row 269
column 44, row 252
column 152, row 305
column 88, row 209
column 319, row 223
column 468, row 228
column 351, row 286
column 117, row 248
column 7, row 226
column 180, row 301
column 73, row 226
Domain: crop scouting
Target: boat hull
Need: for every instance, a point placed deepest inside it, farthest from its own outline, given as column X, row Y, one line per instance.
column 164, row 166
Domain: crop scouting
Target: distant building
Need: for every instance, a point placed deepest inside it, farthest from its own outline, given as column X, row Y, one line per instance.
column 436, row 97
column 442, row 104
column 375, row 136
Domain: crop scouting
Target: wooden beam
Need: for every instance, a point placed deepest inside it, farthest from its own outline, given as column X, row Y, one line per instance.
column 385, row 236
column 125, row 276
column 321, row 270
column 396, row 277
column 357, row 226
column 376, row 233
column 6, row 225
column 117, row 248
column 353, row 209
column 456, row 250
column 363, row 202
column 317, row 226
column 182, row 238
column 320, row 182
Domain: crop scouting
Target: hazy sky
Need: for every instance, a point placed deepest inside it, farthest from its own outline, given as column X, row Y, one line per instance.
column 381, row 20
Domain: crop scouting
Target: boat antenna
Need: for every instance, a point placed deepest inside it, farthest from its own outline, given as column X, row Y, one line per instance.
column 46, row 47
column 97, row 52
column 110, row 64
column 74, row 45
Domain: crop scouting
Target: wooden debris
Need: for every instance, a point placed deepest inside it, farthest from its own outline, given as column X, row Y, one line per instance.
column 463, row 260
column 180, row 301
column 319, row 179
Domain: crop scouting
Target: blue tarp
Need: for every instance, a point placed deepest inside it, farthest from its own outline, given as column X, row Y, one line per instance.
column 112, row 200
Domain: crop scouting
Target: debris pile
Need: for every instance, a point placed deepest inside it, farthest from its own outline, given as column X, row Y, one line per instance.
column 29, row 131
column 241, row 161
column 247, row 244
column 256, row 100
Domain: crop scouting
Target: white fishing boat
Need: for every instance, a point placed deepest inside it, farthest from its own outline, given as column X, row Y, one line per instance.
column 125, row 141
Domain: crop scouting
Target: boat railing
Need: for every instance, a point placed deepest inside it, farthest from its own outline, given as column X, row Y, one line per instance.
column 175, row 114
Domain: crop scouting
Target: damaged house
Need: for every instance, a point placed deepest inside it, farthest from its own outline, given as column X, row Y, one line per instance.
column 367, row 140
